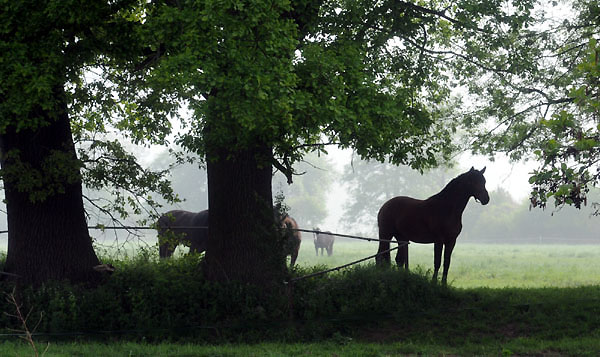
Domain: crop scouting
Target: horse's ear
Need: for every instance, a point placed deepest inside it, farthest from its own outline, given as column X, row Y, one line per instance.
column 472, row 169
column 482, row 170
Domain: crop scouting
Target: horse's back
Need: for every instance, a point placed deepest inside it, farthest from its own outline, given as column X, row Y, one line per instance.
column 405, row 218
column 183, row 218
column 399, row 208
column 191, row 224
column 188, row 226
column 324, row 239
column 289, row 222
column 294, row 238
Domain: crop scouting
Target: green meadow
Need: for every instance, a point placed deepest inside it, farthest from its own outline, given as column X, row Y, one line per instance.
column 503, row 300
column 473, row 265
column 484, row 265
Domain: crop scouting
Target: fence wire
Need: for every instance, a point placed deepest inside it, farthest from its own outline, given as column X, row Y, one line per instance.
column 400, row 244
column 345, row 265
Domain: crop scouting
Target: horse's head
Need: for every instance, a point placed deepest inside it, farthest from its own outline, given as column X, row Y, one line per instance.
column 316, row 232
column 477, row 186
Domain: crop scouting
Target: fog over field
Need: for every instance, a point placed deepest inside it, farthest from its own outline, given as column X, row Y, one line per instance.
column 340, row 193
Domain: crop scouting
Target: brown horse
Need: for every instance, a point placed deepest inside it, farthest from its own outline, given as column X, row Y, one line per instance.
column 437, row 219
column 293, row 238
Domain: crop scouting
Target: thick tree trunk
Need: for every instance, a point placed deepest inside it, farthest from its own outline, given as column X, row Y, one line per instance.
column 243, row 243
column 48, row 237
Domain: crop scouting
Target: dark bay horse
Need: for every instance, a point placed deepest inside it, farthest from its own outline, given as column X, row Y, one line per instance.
column 182, row 227
column 437, row 219
column 191, row 229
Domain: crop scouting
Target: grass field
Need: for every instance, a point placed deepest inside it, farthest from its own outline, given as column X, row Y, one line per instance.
column 484, row 265
column 567, row 346
column 473, row 265
column 518, row 300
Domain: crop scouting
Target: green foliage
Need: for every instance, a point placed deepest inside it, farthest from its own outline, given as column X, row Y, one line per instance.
column 570, row 155
column 53, row 56
column 364, row 292
column 535, row 92
column 157, row 300
column 298, row 76
column 58, row 168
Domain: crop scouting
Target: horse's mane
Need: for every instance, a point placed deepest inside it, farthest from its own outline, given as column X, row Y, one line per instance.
column 452, row 185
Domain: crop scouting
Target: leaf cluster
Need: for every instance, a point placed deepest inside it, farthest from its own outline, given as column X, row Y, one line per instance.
column 534, row 93
column 571, row 152
column 56, row 55
column 303, row 75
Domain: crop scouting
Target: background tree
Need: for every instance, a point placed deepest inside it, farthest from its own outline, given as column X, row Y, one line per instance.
column 269, row 81
column 188, row 180
column 535, row 94
column 46, row 106
column 370, row 184
column 307, row 197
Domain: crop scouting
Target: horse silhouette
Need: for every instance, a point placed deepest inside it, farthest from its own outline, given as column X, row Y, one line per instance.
column 182, row 227
column 436, row 220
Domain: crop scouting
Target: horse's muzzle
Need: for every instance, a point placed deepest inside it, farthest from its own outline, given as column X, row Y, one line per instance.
column 484, row 200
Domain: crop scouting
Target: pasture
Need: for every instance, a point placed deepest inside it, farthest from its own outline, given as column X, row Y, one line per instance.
column 484, row 265
column 504, row 299
column 473, row 265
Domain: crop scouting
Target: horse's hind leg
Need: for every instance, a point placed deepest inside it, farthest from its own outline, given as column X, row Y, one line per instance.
column 402, row 256
column 437, row 259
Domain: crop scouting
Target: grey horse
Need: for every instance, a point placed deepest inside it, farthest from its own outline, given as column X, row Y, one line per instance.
column 324, row 240
column 182, row 227
column 191, row 229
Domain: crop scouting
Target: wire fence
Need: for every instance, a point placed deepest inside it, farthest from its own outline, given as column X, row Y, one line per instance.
column 291, row 281
column 345, row 265
column 400, row 244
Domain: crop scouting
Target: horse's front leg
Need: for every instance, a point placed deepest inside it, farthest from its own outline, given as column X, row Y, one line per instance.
column 447, row 254
column 437, row 259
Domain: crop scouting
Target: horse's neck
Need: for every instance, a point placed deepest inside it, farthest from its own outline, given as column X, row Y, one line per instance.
column 452, row 199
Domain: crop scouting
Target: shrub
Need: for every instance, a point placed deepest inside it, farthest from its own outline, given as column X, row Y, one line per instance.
column 169, row 299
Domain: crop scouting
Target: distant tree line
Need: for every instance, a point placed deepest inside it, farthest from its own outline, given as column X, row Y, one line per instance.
column 507, row 221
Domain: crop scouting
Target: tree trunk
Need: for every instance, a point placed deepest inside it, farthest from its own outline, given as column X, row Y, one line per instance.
column 48, row 237
column 243, row 243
